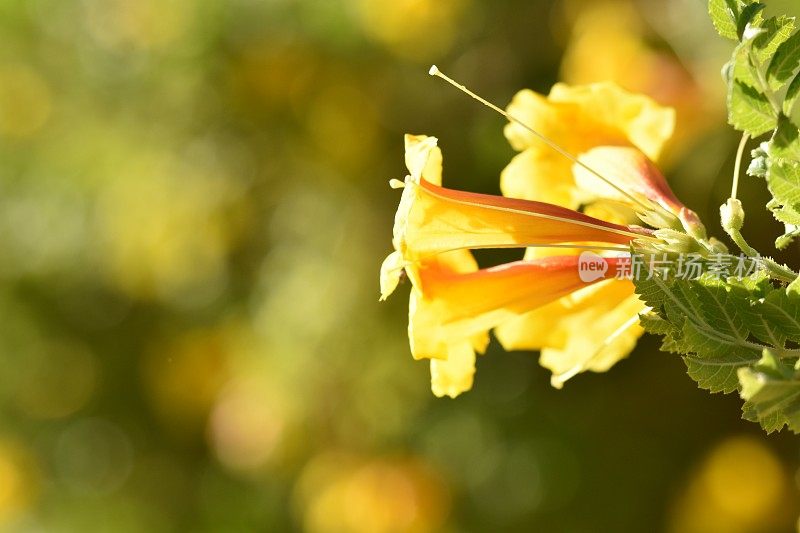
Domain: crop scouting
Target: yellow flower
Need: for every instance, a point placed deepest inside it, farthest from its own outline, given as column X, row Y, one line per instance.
column 453, row 304
column 618, row 135
column 610, row 139
column 578, row 119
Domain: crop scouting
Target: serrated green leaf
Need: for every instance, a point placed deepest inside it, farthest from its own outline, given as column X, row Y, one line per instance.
column 783, row 181
column 792, row 93
column 742, row 67
column 720, row 325
column 716, row 375
column 708, row 325
column 790, row 233
column 652, row 323
column 785, row 142
column 749, row 110
column 770, row 423
column 783, row 178
column 784, row 63
column 747, row 15
column 772, row 394
column 724, row 15
column 782, row 311
column 776, row 31
column 749, row 298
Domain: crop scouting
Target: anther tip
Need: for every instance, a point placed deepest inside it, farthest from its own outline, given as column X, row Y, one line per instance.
column 434, row 70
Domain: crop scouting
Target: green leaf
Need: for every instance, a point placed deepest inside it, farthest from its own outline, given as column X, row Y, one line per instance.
column 776, row 31
column 784, row 63
column 790, row 233
column 742, row 66
column 724, row 15
column 782, row 162
column 652, row 323
column 793, row 289
column 783, row 181
column 716, row 375
column 771, row 392
column 785, row 143
column 781, row 310
column 727, row 14
column 708, row 325
column 749, row 110
column 792, row 93
column 747, row 16
column 733, row 335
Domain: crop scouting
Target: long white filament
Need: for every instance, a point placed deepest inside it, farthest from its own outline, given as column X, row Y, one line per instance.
column 434, row 71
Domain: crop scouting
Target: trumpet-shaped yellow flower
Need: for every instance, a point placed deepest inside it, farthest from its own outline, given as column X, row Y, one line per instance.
column 453, row 304
column 432, row 219
column 452, row 307
column 618, row 135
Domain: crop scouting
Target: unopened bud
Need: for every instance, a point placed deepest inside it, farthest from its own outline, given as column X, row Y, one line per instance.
column 676, row 241
column 692, row 224
column 732, row 215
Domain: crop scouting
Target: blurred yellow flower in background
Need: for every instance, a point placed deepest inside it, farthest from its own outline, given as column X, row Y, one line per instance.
column 610, row 40
column 171, row 238
column 740, row 487
column 412, row 29
column 350, row 494
column 18, row 481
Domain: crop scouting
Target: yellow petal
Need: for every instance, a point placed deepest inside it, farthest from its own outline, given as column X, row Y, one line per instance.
column 540, row 175
column 454, row 375
column 581, row 117
column 646, row 124
column 423, row 158
column 432, row 219
column 630, row 170
column 447, row 308
column 424, row 325
column 578, row 119
column 563, row 122
column 612, row 211
column 590, row 329
column 604, row 340
column 391, row 271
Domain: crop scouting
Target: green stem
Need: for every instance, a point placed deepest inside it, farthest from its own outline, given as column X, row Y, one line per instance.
column 738, row 238
column 778, row 271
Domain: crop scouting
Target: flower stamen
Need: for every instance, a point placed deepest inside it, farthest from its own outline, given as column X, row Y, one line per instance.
column 434, row 71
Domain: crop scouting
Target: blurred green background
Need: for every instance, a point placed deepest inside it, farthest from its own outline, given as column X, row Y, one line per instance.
column 193, row 209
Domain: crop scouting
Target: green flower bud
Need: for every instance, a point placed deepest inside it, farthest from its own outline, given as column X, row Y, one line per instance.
column 732, row 215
